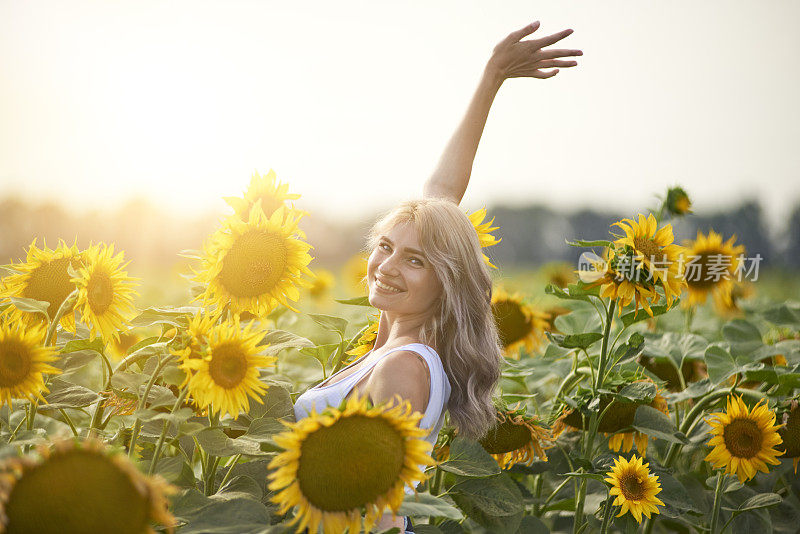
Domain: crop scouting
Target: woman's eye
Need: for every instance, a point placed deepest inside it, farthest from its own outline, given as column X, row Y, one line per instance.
column 416, row 261
column 384, row 246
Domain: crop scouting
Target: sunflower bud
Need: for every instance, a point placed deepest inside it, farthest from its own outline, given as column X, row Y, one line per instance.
column 678, row 202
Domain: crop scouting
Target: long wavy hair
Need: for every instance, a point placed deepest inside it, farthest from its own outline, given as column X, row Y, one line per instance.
column 461, row 328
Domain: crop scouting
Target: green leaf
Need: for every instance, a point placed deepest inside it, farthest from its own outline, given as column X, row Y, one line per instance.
column 762, row 500
column 73, row 361
column 630, row 350
column 641, row 314
column 239, row 487
column 278, row 340
column 590, row 476
column 494, row 502
column 674, row 494
column 578, row 321
column 743, row 336
column 204, row 515
column 583, row 243
column 97, row 345
column 425, row 504
column 358, row 301
column 654, row 423
column 677, row 347
column 639, row 392
column 214, row 441
column 177, row 317
column 575, row 341
column 556, row 291
column 469, row 459
column 532, row 525
column 330, row 322
column 65, row 395
column 720, row 364
column 128, row 382
column 30, row 305
column 783, row 315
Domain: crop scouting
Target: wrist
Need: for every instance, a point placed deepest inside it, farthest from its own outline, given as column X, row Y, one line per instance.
column 493, row 76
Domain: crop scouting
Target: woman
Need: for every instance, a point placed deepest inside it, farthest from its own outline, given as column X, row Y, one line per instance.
column 437, row 344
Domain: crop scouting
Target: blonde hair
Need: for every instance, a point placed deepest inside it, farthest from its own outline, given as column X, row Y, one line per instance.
column 462, row 328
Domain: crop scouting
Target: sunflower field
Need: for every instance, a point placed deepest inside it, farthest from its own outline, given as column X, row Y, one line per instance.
column 649, row 390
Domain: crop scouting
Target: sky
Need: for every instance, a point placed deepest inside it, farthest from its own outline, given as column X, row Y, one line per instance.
column 351, row 102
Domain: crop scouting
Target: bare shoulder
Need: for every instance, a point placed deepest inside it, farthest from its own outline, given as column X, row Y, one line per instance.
column 403, row 373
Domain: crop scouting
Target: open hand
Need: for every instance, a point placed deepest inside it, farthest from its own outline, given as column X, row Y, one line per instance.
column 514, row 58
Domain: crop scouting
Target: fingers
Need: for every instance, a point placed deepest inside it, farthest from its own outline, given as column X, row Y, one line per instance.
column 514, row 37
column 551, row 39
column 550, row 63
column 558, row 52
column 545, row 74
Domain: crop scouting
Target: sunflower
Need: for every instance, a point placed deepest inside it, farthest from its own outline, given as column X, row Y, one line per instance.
column 619, row 279
column 518, row 323
column 254, row 265
column 710, row 267
column 653, row 247
column 728, row 304
column 228, row 373
column 484, row 230
column 321, row 284
column 626, row 440
column 516, row 438
column 743, row 439
column 44, row 276
column 119, row 347
column 559, row 273
column 23, row 362
column 365, row 342
column 105, row 292
column 75, row 488
column 635, row 487
column 553, row 312
column 272, row 194
column 790, row 434
column 384, row 450
column 677, row 201
column 354, row 274
column 194, row 340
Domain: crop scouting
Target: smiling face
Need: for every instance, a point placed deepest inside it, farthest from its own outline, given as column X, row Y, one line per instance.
column 399, row 276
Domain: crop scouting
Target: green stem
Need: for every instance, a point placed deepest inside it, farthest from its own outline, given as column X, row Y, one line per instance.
column 209, row 489
column 601, row 367
column 164, row 428
column 231, row 465
column 137, row 425
column 717, row 503
column 606, row 515
column 436, row 485
column 554, row 493
column 48, row 341
column 69, row 421
column 14, row 433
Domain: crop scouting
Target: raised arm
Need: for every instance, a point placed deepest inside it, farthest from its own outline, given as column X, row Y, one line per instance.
column 511, row 58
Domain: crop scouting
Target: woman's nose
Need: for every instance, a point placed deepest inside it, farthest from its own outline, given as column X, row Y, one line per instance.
column 388, row 266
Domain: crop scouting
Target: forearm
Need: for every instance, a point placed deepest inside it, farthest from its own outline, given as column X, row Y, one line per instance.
column 451, row 176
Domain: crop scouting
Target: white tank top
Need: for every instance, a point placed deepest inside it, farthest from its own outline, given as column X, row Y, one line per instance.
column 319, row 397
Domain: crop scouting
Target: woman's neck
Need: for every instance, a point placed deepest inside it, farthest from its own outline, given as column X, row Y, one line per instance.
column 396, row 330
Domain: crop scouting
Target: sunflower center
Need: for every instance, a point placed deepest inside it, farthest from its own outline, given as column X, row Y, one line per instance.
column 506, row 437
column 703, row 272
column 512, row 324
column 743, row 438
column 74, row 493
column 100, row 292
column 254, row 264
column 647, row 247
column 228, row 366
column 15, row 363
column 631, row 487
column 350, row 463
column 51, row 283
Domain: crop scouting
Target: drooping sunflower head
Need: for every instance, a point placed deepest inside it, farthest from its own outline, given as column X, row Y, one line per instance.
column 105, row 291
column 743, row 439
column 267, row 189
column 43, row 276
column 322, row 284
column 710, row 267
column 728, row 304
column 227, row 375
column 119, row 347
column 653, row 247
column 634, row 487
column 192, row 345
column 484, row 230
column 559, row 274
column 516, row 438
column 625, row 440
column 254, row 265
column 348, row 461
column 75, row 488
column 365, row 342
column 518, row 324
column 677, row 201
column 24, row 361
column 790, row 433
